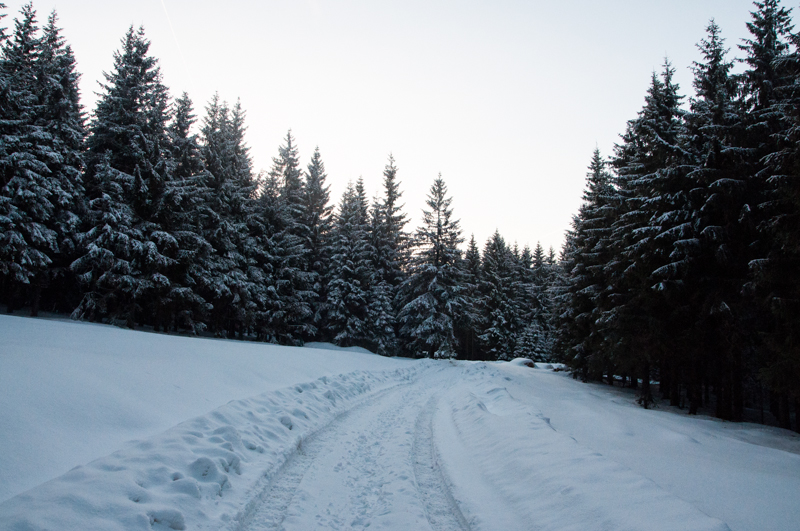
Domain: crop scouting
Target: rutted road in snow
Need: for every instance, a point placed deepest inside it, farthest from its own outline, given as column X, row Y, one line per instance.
column 441, row 509
column 395, row 445
column 453, row 450
column 373, row 467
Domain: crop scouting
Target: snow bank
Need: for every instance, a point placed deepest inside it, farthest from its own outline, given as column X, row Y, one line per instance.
column 738, row 473
column 545, row 479
column 200, row 474
column 331, row 346
column 73, row 392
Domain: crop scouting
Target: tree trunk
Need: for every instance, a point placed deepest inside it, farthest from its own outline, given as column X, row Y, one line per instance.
column 664, row 379
column 646, row 396
column 797, row 415
column 723, row 391
column 737, row 388
column 36, row 297
column 774, row 405
column 694, row 388
column 12, row 299
column 131, row 318
column 675, row 386
column 784, row 417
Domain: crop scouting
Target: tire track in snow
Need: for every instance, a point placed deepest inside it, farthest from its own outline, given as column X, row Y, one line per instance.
column 268, row 510
column 441, row 508
column 374, row 466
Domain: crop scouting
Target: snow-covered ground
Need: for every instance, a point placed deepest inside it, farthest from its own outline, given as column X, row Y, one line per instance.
column 103, row 428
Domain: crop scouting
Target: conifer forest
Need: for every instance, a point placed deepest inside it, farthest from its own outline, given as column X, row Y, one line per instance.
column 679, row 276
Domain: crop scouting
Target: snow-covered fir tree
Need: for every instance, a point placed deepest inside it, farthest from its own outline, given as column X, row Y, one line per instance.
column 432, row 296
column 299, row 275
column 772, row 103
column 381, row 293
column 286, row 169
column 318, row 218
column 530, row 340
column 351, row 271
column 187, row 197
column 469, row 323
column 42, row 133
column 581, row 342
column 709, row 259
column 646, row 163
column 499, row 287
column 388, row 257
column 229, row 214
column 283, row 313
column 127, row 252
column 394, row 241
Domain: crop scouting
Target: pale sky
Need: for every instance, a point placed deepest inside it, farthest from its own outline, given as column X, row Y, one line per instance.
column 506, row 99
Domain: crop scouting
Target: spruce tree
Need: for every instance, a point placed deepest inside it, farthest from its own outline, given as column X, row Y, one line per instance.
column 432, row 296
column 587, row 281
column 709, row 260
column 230, row 213
column 282, row 309
column 187, row 196
column 388, row 256
column 469, row 323
column 42, row 137
column 649, row 176
column 396, row 240
column 287, row 174
column 777, row 287
column 351, row 271
column 381, row 293
column 500, row 311
column 543, row 274
column 771, row 28
column 318, row 218
column 63, row 121
column 27, row 242
column 532, row 294
column 127, row 251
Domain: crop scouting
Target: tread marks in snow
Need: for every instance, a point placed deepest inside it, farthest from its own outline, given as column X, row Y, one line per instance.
column 351, row 473
column 441, row 508
column 268, row 509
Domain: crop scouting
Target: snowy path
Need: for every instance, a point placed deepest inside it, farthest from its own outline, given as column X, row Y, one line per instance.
column 374, row 467
column 450, row 450
column 441, row 509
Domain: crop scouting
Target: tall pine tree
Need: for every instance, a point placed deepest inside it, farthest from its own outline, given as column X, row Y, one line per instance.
column 230, row 213
column 42, row 135
column 432, row 296
column 318, row 218
column 351, row 271
column 127, row 251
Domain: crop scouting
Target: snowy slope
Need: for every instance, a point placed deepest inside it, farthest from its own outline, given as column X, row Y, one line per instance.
column 249, row 437
column 72, row 392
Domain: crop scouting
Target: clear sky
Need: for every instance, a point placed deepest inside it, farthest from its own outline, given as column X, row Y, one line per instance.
column 507, row 99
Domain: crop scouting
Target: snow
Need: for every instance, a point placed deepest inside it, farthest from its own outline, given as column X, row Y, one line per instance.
column 73, row 392
column 104, row 428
